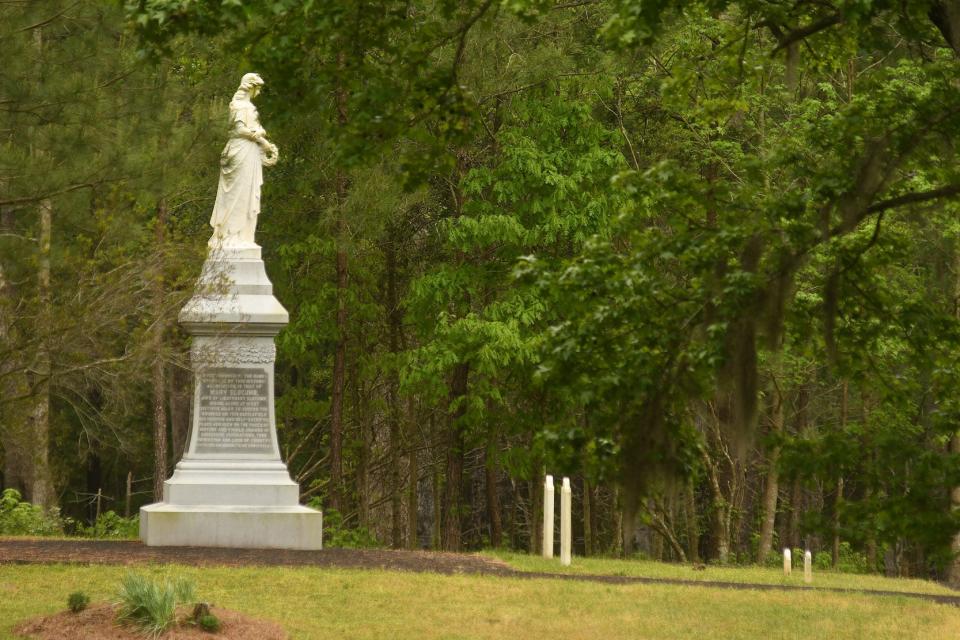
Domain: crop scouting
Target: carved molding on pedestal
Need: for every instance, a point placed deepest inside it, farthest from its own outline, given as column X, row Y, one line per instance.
column 258, row 352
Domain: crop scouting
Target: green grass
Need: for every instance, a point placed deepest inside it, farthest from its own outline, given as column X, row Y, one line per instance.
column 152, row 605
column 315, row 604
column 755, row 575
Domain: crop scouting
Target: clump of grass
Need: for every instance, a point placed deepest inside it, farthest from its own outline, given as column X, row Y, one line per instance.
column 78, row 601
column 202, row 617
column 209, row 623
column 152, row 606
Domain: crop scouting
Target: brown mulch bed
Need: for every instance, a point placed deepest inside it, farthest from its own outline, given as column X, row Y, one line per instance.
column 130, row 552
column 99, row 623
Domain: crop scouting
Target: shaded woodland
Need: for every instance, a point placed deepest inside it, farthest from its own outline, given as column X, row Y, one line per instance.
column 701, row 257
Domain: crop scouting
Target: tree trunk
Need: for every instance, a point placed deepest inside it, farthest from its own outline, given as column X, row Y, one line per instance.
column 661, row 522
column 412, row 506
column 413, row 486
column 619, row 535
column 719, row 512
column 535, row 512
column 838, row 498
column 493, row 495
column 656, row 544
column 94, row 482
column 793, row 527
column 340, row 354
column 693, row 530
column 587, row 513
column 796, row 488
column 772, row 487
column 361, row 416
column 39, row 487
column 453, row 476
column 954, row 571
column 159, row 373
column 945, row 14
column 12, row 383
column 179, row 393
column 837, row 501
column 436, row 538
column 393, row 399
column 339, row 376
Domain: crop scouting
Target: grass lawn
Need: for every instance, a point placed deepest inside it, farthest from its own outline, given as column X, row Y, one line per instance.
column 756, row 575
column 313, row 603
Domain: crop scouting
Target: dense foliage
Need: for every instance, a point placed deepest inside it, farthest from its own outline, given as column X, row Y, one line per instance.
column 18, row 517
column 700, row 256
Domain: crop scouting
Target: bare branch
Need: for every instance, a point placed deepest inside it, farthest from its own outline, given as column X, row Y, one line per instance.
column 572, row 5
column 48, row 20
column 58, row 192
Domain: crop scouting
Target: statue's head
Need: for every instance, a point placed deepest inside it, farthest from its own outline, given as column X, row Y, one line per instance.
column 251, row 83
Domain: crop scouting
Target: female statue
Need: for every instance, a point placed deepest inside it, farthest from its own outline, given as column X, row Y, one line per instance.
column 235, row 212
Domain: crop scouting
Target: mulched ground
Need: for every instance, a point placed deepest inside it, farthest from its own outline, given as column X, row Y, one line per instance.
column 100, row 623
column 46, row 551
column 130, row 552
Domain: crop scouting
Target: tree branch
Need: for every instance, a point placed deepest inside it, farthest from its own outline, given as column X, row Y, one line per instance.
column 572, row 5
column 464, row 31
column 48, row 20
column 58, row 192
column 912, row 198
column 899, row 201
column 804, row 32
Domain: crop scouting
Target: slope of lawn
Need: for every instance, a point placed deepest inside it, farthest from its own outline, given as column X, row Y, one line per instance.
column 318, row 604
column 754, row 575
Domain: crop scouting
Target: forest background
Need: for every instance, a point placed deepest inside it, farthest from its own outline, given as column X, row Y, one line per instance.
column 702, row 257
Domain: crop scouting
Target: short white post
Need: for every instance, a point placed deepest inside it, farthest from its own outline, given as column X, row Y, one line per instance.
column 787, row 562
column 548, row 517
column 565, row 541
column 807, row 567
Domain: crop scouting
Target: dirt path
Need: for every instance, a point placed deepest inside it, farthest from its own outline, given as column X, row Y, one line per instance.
column 45, row 550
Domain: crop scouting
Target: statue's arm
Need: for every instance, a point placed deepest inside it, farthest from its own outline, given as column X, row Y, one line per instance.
column 256, row 135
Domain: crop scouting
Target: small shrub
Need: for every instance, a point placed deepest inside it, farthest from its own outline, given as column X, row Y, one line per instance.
column 113, row 525
column 822, row 560
column 335, row 534
column 22, row 518
column 209, row 623
column 774, row 559
column 78, row 601
column 852, row 561
column 199, row 610
column 150, row 605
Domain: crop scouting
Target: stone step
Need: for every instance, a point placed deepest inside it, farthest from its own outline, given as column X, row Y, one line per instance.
column 242, row 493
column 239, row 527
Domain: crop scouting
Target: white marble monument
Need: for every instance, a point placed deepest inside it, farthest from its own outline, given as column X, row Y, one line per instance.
column 231, row 489
column 548, row 503
column 566, row 538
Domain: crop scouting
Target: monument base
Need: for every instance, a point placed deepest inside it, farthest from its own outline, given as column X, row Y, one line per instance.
column 230, row 488
column 241, row 527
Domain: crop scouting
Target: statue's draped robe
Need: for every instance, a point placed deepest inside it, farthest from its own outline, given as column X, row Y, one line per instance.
column 235, row 211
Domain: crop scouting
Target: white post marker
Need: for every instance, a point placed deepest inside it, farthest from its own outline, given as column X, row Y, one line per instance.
column 807, row 567
column 787, row 562
column 565, row 541
column 548, row 517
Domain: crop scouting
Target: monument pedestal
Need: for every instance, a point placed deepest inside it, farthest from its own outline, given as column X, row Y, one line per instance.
column 231, row 489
